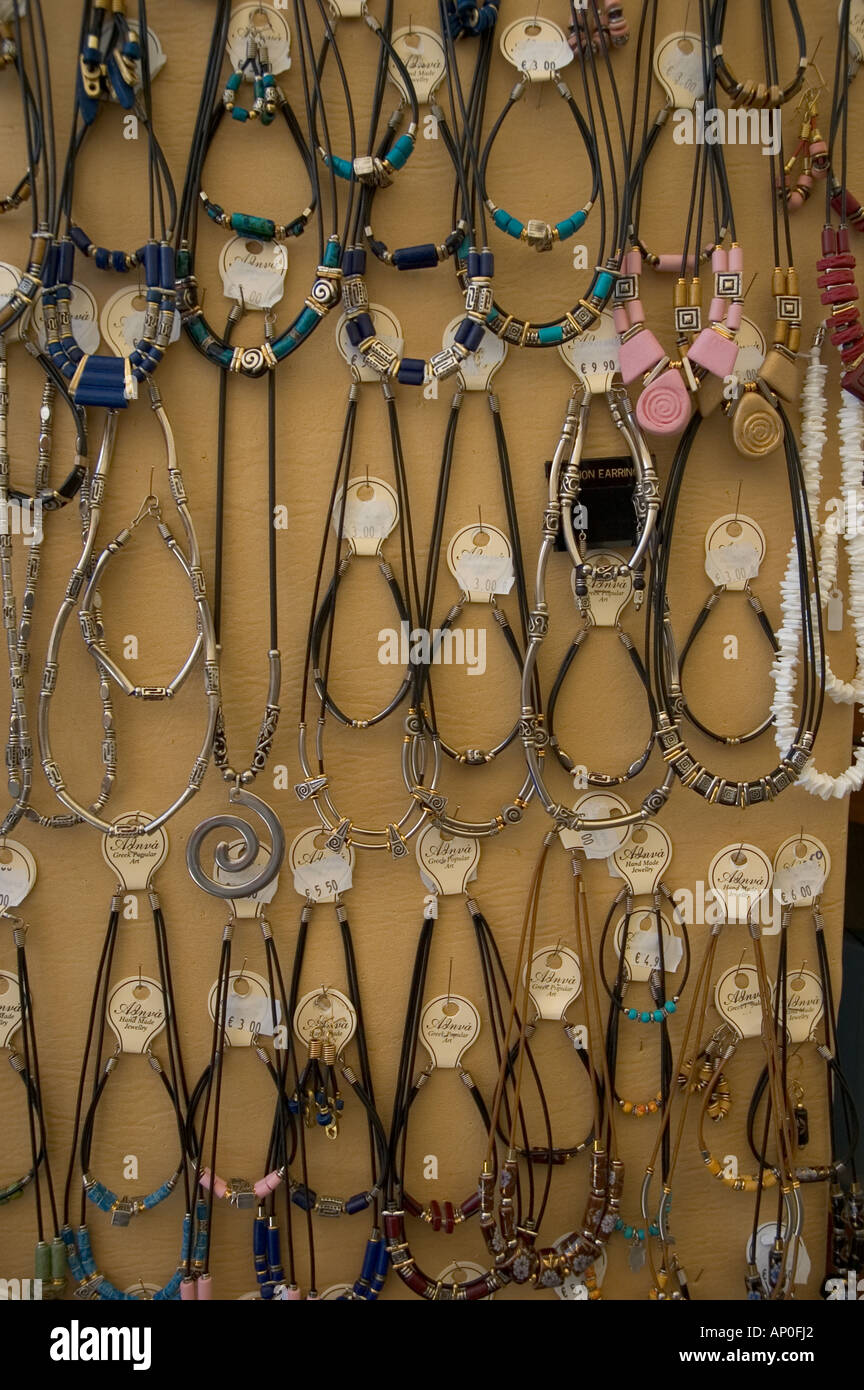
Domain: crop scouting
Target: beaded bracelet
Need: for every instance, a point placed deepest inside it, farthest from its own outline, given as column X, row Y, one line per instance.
column 255, row 361
column 427, row 254
column 751, row 93
column 538, row 234
column 598, row 779
column 122, row 1208
column 663, row 1008
column 92, row 1284
column 368, row 168
column 699, row 622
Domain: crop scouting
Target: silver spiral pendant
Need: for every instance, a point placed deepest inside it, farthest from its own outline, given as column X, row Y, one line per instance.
column 232, row 863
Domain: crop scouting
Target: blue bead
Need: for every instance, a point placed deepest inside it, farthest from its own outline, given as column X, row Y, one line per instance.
column 422, row 257
column 602, row 287
column 552, row 334
column 670, row 1006
column 628, row 1232
column 658, row 1015
column 645, row 1017
column 632, row 1014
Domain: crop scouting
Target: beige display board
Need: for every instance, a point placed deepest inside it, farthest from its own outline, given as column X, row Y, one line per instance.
column 539, row 169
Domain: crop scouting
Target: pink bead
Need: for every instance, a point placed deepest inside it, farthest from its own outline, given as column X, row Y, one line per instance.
column 639, row 355
column 736, row 258
column 664, row 406
column 637, row 313
column 796, row 200
column 621, row 317
column 671, row 265
column 734, row 316
column 717, row 312
column 188, row 1291
column 205, row 1286
column 719, row 261
column 204, row 1179
column 714, row 352
column 632, row 264
column 291, row 1293
column 266, row 1185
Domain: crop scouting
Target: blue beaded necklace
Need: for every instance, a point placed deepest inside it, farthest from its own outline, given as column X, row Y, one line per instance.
column 110, row 65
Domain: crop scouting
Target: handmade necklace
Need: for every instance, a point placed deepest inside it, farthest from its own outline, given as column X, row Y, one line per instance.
column 806, row 1002
column 44, row 498
column 585, row 313
column 325, row 1022
column 813, row 435
column 78, row 589
column 747, row 1011
column 558, row 520
column 363, row 512
column 324, row 293
column 425, row 65
column 445, row 1216
column 725, row 584
column 112, row 63
column 137, row 1009
column 666, row 682
column 706, row 354
column 244, row 1007
column 487, row 564
column 447, row 1026
column 29, row 55
column 478, row 264
column 510, row 1238
column 540, row 235
column 50, row 1258
column 606, row 593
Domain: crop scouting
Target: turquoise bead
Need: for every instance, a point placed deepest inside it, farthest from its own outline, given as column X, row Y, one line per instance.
column 603, row 285
column 658, row 1015
column 641, row 1233
column 553, row 333
column 331, row 253
column 239, row 113
column 646, row 1017
column 632, row 1014
column 628, row 1232
column 246, row 225
column 233, row 83
column 670, row 1006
